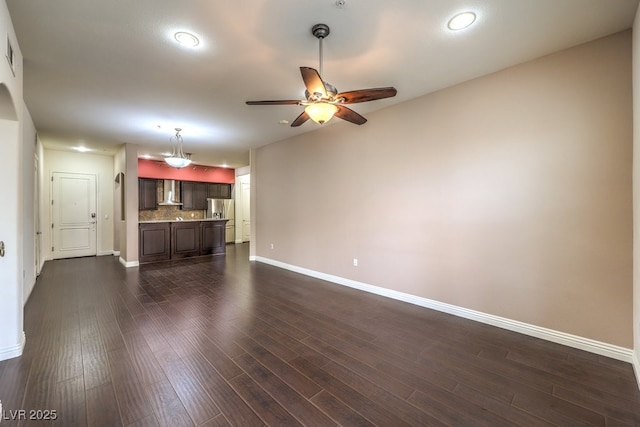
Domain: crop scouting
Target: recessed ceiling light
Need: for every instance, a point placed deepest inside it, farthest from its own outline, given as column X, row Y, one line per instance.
column 186, row 39
column 82, row 149
column 284, row 122
column 461, row 21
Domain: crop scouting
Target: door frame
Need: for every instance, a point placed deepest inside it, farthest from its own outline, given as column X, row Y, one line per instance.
column 241, row 213
column 55, row 252
column 36, row 217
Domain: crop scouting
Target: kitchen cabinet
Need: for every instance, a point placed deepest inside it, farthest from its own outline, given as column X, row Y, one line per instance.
column 154, row 241
column 185, row 239
column 212, row 237
column 166, row 240
column 147, row 194
column 219, row 191
column 187, row 194
column 194, row 195
column 201, row 195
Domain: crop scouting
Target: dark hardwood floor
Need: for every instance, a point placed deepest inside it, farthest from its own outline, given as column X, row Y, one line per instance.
column 217, row 341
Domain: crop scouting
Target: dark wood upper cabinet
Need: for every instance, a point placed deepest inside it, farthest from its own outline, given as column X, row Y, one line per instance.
column 219, row 191
column 187, row 193
column 201, row 195
column 194, row 195
column 147, row 194
column 225, row 191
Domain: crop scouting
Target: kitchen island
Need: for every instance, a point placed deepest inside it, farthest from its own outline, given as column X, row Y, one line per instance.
column 163, row 240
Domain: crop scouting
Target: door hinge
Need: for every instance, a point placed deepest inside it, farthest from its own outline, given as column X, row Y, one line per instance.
column 51, row 248
column 51, row 179
column 51, row 225
column 51, row 202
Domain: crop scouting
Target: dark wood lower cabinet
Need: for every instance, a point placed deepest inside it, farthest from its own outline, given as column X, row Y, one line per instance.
column 162, row 241
column 154, row 242
column 185, row 239
column 212, row 237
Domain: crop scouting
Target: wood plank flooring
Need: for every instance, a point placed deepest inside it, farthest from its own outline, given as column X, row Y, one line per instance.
column 218, row 341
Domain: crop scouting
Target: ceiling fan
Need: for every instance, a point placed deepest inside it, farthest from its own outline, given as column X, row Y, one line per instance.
column 323, row 100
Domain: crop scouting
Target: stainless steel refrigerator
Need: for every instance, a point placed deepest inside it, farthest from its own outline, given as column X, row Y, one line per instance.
column 223, row 209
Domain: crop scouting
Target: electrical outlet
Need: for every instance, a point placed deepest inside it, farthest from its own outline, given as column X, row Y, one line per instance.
column 355, row 262
column 272, row 246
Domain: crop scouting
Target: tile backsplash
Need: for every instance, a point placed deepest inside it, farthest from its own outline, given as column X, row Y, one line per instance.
column 169, row 213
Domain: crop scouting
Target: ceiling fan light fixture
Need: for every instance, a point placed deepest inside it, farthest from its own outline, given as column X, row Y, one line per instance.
column 321, row 112
column 178, row 159
column 461, row 21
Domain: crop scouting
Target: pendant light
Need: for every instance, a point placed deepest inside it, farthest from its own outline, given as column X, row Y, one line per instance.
column 178, row 159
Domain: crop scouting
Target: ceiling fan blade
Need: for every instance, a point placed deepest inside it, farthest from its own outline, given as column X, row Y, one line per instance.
column 349, row 115
column 283, row 102
column 364, row 95
column 313, row 82
column 300, row 119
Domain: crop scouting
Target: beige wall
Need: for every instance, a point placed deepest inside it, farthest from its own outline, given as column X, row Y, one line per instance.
column 126, row 161
column 636, row 191
column 102, row 167
column 509, row 194
column 29, row 210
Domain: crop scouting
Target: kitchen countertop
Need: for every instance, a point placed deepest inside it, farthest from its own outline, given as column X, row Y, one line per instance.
column 185, row 220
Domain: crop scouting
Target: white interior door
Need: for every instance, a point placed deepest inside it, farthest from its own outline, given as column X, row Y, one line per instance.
column 246, row 216
column 73, row 205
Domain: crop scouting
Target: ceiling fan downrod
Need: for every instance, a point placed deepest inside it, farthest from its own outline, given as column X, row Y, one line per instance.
column 320, row 31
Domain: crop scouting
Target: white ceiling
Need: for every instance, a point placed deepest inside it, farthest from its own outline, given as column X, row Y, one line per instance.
column 101, row 73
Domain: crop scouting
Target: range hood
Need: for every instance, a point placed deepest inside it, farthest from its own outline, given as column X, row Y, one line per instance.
column 169, row 193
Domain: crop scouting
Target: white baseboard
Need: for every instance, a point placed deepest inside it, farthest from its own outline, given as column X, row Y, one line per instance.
column 13, row 350
column 104, row 253
column 129, row 264
column 593, row 346
column 116, row 253
column 636, row 367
